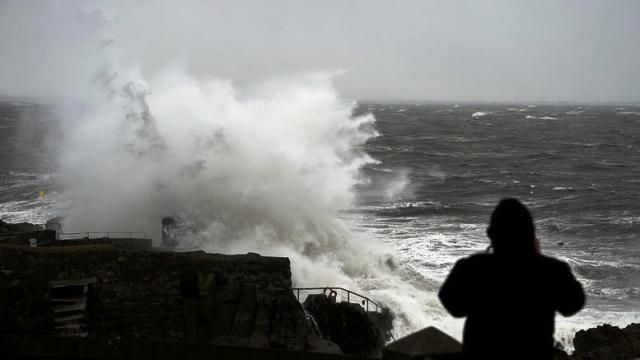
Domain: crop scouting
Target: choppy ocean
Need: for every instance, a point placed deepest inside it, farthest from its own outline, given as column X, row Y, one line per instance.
column 441, row 169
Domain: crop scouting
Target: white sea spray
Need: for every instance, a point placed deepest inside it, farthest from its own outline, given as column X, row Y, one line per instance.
column 266, row 168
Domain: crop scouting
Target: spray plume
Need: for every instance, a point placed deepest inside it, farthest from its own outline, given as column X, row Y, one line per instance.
column 269, row 169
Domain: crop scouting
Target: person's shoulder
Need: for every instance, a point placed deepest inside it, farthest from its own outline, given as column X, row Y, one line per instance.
column 472, row 264
column 550, row 260
column 553, row 263
column 477, row 258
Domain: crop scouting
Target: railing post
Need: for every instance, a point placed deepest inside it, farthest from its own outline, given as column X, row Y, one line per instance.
column 348, row 296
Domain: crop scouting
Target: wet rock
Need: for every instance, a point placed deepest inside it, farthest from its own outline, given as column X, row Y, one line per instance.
column 383, row 320
column 429, row 341
column 607, row 342
column 346, row 324
column 318, row 344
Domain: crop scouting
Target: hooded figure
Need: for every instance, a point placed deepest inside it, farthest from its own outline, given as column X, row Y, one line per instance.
column 510, row 296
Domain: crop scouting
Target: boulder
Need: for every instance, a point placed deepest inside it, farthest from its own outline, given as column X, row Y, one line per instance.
column 346, row 324
column 607, row 342
column 318, row 344
column 429, row 342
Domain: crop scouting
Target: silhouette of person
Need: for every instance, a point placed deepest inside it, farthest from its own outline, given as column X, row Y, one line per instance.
column 510, row 296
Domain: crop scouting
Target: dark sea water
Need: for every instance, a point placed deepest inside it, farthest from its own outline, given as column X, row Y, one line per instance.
column 27, row 163
column 444, row 167
column 441, row 169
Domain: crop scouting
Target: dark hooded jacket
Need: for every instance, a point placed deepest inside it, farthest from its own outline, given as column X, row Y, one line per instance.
column 510, row 304
column 510, row 297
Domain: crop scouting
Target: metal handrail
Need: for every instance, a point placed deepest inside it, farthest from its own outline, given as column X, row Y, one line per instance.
column 88, row 234
column 332, row 290
column 105, row 234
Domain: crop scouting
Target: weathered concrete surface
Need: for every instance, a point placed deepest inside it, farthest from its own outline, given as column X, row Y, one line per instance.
column 209, row 298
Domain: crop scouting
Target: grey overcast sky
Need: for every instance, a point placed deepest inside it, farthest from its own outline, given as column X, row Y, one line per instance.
column 499, row 50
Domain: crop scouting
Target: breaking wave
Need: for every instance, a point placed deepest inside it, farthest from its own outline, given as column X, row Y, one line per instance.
column 531, row 117
column 479, row 114
column 268, row 168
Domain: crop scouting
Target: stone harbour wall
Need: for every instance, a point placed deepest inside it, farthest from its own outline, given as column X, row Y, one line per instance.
column 99, row 291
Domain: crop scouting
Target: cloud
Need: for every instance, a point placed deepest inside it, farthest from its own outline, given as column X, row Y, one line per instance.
column 405, row 50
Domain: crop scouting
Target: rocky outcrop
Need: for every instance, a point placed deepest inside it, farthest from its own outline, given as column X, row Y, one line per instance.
column 607, row 342
column 354, row 330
